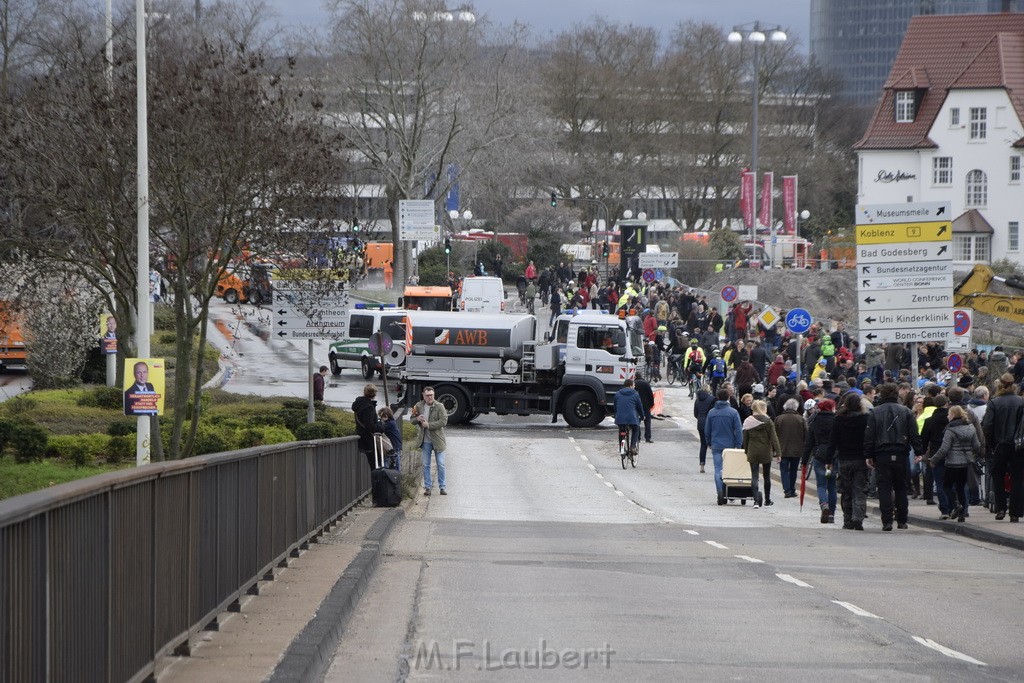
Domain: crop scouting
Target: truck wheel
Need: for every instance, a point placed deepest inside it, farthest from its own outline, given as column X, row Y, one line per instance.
column 581, row 409
column 231, row 296
column 366, row 369
column 454, row 401
column 255, row 299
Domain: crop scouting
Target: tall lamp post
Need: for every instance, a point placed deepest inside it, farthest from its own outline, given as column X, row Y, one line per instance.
column 755, row 35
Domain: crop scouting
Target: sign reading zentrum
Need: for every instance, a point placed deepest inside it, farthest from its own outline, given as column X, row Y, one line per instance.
column 905, row 272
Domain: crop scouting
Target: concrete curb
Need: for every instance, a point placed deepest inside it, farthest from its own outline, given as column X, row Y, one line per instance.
column 966, row 529
column 310, row 653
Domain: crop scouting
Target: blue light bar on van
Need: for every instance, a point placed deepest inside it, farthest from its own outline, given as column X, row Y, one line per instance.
column 577, row 311
column 375, row 307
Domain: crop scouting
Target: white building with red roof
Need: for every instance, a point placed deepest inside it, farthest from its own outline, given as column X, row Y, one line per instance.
column 950, row 127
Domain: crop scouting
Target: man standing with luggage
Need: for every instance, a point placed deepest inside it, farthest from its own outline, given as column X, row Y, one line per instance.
column 890, row 435
column 431, row 418
column 367, row 424
column 723, row 429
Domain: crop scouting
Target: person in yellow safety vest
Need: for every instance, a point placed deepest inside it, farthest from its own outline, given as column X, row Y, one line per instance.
column 693, row 363
column 627, row 294
column 719, row 267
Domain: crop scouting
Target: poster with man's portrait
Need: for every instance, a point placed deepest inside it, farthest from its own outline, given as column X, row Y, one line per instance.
column 144, row 382
column 108, row 333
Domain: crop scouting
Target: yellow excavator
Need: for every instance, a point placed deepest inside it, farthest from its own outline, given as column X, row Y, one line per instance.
column 973, row 292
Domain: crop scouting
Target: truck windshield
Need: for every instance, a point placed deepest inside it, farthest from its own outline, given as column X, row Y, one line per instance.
column 428, row 303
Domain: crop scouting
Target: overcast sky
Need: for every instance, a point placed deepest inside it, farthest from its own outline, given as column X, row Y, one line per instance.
column 548, row 17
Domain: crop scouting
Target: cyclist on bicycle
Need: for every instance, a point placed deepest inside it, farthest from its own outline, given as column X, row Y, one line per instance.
column 629, row 410
column 693, row 364
column 716, row 366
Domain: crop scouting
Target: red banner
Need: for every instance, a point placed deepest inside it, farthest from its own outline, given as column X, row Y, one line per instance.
column 789, row 185
column 747, row 198
column 767, row 205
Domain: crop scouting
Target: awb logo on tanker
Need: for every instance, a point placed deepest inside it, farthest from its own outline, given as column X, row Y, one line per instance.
column 460, row 336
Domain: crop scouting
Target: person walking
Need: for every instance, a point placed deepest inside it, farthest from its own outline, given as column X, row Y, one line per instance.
column 431, row 418
column 846, row 445
column 792, row 430
column 556, row 304
column 931, row 439
column 724, row 430
column 367, row 424
column 819, row 433
column 761, row 444
column 960, row 446
column 643, row 387
column 999, row 424
column 701, row 407
column 319, row 382
column 890, row 435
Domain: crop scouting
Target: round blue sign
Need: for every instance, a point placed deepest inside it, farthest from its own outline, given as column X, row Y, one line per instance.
column 798, row 320
column 961, row 323
column 954, row 362
column 729, row 293
column 649, row 275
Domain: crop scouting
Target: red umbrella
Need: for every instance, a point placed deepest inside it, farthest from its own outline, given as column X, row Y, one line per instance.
column 803, row 484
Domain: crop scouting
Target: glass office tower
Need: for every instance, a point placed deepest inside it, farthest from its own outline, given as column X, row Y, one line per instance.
column 859, row 39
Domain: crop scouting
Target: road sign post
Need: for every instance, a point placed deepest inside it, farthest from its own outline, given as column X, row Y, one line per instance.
column 904, row 272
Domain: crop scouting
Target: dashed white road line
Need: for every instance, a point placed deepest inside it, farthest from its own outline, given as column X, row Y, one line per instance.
column 666, row 519
column 716, row 544
column 793, row 580
column 927, row 642
column 591, row 466
column 752, row 560
column 583, row 457
column 856, row 610
column 692, row 532
column 607, row 483
column 598, row 475
column 619, row 493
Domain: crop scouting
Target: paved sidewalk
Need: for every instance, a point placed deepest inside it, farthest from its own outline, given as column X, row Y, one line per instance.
column 981, row 525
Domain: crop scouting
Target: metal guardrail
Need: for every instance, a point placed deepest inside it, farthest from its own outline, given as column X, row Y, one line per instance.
column 101, row 577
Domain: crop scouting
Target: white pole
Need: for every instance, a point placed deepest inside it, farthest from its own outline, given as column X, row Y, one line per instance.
column 310, row 409
column 142, row 318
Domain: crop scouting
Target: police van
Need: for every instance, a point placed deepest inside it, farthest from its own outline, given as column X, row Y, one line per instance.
column 365, row 320
column 482, row 294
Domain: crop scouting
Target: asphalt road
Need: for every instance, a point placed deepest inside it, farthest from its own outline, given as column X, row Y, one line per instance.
column 547, row 559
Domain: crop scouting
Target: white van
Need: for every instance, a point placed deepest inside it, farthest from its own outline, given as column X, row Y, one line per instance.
column 482, row 295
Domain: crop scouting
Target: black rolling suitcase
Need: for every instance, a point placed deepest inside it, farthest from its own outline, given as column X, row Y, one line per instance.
column 384, row 483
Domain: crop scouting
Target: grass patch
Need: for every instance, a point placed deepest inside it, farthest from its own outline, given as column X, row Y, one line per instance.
column 19, row 478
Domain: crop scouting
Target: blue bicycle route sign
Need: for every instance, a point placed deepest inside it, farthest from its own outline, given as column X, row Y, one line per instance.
column 798, row 320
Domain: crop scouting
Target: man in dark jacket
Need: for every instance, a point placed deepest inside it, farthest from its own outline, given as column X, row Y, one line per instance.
column 724, row 430
column 701, row 407
column 999, row 424
column 759, row 359
column 643, row 387
column 367, row 422
column 890, row 434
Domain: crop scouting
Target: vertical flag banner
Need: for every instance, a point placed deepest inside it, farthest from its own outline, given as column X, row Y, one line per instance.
column 747, row 198
column 767, row 205
column 144, row 382
column 108, row 333
column 789, row 186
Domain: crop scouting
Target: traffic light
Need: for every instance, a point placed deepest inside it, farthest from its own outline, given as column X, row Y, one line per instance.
column 355, row 225
column 604, row 250
column 554, row 200
column 447, row 245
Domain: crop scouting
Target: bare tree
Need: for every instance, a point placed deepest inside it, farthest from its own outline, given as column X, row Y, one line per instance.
column 418, row 89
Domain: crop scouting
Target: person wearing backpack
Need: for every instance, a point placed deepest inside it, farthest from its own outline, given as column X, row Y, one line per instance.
column 717, row 370
column 828, row 352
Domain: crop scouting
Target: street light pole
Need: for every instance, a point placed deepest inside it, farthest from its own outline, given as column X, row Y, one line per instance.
column 142, row 321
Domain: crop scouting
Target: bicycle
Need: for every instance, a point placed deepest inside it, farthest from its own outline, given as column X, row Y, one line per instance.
column 693, row 384
column 674, row 369
column 625, row 438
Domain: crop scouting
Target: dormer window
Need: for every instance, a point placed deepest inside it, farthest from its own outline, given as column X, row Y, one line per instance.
column 905, row 106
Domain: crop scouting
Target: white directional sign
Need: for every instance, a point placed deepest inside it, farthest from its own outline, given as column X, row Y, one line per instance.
column 416, row 220
column 902, row 299
column 302, row 312
column 905, row 272
column 665, row 259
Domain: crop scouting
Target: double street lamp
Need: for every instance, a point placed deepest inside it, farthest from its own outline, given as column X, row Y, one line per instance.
column 755, row 34
column 467, row 216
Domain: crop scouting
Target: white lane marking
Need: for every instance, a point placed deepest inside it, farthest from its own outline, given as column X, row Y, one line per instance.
column 927, row 642
column 619, row 493
column 650, row 512
column 582, row 457
column 571, row 439
column 752, row 560
column 856, row 610
column 598, row 475
column 608, row 484
column 715, row 544
column 692, row 532
column 667, row 519
column 795, row 581
column 591, row 466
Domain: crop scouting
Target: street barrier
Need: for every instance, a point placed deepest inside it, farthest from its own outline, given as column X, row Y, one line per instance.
column 101, row 577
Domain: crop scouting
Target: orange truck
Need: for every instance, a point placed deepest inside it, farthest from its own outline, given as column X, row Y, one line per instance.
column 12, row 343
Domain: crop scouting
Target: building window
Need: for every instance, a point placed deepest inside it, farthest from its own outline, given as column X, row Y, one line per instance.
column 1015, row 169
column 954, row 117
column 1013, row 237
column 905, row 106
column 977, row 188
column 942, row 171
column 972, row 248
column 979, row 123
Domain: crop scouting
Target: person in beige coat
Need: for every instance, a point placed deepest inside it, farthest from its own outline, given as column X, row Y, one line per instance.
column 431, row 418
column 761, row 444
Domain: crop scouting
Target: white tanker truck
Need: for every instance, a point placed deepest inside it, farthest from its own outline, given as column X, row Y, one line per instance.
column 493, row 364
